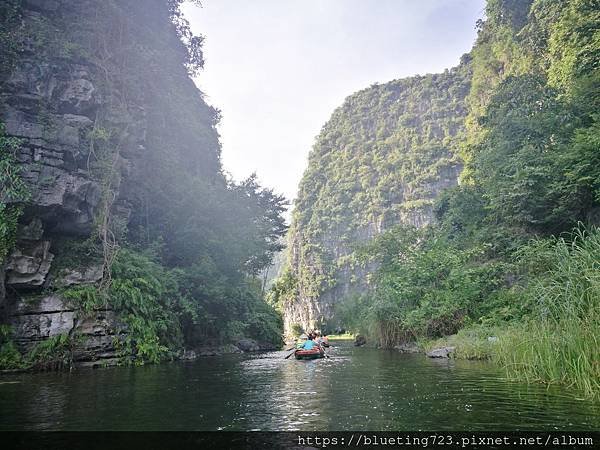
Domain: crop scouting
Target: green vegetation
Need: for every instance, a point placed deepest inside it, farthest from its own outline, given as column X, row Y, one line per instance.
column 55, row 353
column 10, row 357
column 180, row 245
column 557, row 341
column 340, row 337
column 182, row 268
column 378, row 160
column 13, row 192
column 477, row 342
column 560, row 343
column 10, row 18
column 296, row 330
column 508, row 267
column 425, row 286
column 146, row 296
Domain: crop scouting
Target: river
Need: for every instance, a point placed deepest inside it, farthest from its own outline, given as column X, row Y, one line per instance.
column 355, row 389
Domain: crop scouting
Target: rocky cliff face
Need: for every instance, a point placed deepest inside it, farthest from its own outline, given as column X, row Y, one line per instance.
column 78, row 103
column 381, row 160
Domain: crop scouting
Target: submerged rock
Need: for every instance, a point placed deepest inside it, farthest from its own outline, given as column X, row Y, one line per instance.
column 188, row 354
column 443, row 352
column 407, row 348
column 207, row 352
column 229, row 348
column 360, row 340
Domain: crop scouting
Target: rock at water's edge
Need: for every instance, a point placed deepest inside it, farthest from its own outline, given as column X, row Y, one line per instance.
column 407, row 348
column 248, row 345
column 360, row 340
column 443, row 352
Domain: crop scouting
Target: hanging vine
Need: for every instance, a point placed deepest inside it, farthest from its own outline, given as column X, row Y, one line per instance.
column 106, row 143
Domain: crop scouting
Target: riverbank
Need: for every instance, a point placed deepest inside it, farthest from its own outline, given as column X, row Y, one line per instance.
column 536, row 314
column 55, row 355
column 477, row 343
column 341, row 337
column 532, row 352
column 564, row 353
column 245, row 345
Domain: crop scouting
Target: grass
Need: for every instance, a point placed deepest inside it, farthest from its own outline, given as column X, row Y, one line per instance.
column 560, row 343
column 564, row 352
column 340, row 337
column 476, row 342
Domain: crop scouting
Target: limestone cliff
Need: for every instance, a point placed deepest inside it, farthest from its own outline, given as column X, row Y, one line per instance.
column 382, row 159
column 90, row 90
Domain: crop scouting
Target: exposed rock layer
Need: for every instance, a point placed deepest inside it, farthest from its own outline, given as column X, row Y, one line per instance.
column 78, row 103
column 38, row 319
column 53, row 104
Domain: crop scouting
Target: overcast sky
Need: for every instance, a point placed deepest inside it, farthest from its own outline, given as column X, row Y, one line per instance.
column 278, row 68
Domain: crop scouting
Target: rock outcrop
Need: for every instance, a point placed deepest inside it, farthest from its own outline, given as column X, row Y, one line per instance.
column 55, row 105
column 75, row 98
column 410, row 347
column 248, row 345
column 29, row 264
column 99, row 331
column 442, row 352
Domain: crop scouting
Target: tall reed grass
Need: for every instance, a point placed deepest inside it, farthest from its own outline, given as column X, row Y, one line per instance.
column 560, row 344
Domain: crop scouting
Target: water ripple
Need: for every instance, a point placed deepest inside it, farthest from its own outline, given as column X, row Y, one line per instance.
column 357, row 389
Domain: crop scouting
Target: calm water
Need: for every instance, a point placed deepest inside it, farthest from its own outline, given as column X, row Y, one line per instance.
column 356, row 389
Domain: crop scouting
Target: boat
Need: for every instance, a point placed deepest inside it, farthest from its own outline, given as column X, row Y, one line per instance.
column 314, row 353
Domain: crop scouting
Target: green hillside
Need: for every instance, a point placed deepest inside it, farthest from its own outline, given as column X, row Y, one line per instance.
column 382, row 159
column 508, row 259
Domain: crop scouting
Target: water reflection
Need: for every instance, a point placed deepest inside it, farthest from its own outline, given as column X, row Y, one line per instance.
column 357, row 388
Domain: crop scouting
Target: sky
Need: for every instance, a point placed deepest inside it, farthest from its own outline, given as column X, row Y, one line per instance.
column 278, row 68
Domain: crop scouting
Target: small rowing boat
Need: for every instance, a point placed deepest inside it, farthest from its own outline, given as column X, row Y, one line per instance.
column 314, row 353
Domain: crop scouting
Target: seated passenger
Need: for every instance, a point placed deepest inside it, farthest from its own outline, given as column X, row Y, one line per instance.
column 318, row 339
column 300, row 341
column 309, row 344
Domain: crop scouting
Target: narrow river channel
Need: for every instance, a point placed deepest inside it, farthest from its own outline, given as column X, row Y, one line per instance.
column 355, row 389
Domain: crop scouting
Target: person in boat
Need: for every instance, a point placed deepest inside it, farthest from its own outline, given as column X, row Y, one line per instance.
column 309, row 344
column 301, row 340
column 318, row 338
column 321, row 341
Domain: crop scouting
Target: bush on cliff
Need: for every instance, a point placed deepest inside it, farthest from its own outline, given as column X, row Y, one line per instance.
column 164, row 309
